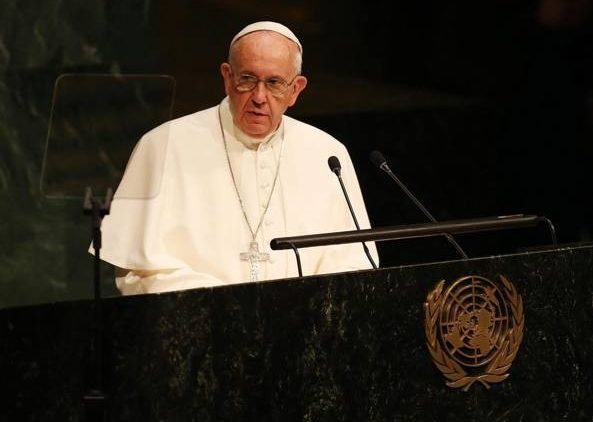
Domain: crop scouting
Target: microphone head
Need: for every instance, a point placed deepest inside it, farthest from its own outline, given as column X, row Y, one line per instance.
column 334, row 164
column 377, row 159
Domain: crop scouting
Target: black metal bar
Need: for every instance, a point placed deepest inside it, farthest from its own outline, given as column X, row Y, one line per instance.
column 95, row 398
column 298, row 259
column 407, row 231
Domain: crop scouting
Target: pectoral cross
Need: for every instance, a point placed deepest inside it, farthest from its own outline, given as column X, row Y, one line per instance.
column 254, row 256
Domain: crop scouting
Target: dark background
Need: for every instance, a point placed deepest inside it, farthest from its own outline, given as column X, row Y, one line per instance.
column 482, row 109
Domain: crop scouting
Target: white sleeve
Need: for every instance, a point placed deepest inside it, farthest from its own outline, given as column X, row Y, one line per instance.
column 133, row 282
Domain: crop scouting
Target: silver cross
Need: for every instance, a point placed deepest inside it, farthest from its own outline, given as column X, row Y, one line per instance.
column 254, row 256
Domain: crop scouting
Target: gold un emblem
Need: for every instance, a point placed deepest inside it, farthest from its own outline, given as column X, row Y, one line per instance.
column 474, row 329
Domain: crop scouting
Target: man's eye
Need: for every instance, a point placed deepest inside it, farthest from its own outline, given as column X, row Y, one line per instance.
column 274, row 82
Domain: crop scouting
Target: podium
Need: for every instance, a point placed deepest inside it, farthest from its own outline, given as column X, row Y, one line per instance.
column 339, row 347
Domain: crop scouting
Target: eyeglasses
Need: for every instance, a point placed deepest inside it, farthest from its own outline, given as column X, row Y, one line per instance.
column 275, row 85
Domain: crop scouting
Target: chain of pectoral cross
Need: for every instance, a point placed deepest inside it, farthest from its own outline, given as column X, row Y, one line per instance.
column 253, row 255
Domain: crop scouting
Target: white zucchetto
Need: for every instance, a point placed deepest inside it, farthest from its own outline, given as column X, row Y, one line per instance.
column 268, row 26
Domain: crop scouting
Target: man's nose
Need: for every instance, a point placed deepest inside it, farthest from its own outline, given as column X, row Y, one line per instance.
column 260, row 92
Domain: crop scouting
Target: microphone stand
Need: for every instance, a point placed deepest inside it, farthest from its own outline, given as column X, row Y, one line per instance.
column 428, row 215
column 334, row 165
column 380, row 161
column 94, row 399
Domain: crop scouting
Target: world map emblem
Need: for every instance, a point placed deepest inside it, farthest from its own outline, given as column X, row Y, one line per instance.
column 474, row 329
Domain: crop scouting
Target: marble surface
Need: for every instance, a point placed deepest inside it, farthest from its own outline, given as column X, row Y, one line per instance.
column 343, row 347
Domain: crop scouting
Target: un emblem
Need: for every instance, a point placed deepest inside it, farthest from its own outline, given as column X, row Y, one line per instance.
column 474, row 329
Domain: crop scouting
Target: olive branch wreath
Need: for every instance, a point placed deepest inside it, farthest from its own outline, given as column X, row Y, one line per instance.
column 453, row 371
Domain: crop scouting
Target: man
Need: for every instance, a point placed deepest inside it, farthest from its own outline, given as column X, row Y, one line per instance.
column 203, row 195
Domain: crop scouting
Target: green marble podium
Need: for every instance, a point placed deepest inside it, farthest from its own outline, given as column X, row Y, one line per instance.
column 341, row 347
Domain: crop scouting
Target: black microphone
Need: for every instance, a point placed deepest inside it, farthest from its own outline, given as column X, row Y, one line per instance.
column 380, row 161
column 334, row 166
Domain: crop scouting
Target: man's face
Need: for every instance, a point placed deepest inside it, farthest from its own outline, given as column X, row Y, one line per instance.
column 266, row 56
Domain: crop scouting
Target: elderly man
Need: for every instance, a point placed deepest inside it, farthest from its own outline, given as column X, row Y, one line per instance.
column 203, row 195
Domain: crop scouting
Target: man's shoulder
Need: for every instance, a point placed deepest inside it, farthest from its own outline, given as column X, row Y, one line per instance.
column 292, row 123
column 197, row 119
column 309, row 135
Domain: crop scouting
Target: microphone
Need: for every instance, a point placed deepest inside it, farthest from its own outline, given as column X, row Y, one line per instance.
column 335, row 167
column 380, row 161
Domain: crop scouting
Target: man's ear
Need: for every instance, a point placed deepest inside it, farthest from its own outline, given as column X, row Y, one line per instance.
column 225, row 71
column 298, row 85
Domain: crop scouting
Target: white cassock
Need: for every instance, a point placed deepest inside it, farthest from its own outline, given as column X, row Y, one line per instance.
column 176, row 221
